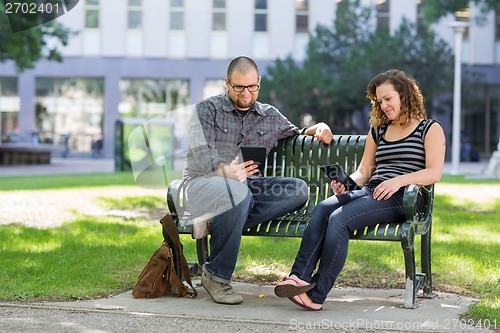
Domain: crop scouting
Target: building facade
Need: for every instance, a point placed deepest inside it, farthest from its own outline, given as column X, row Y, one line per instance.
column 142, row 58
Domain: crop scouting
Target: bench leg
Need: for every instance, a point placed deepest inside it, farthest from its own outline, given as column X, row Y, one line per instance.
column 202, row 250
column 411, row 280
column 426, row 264
column 194, row 268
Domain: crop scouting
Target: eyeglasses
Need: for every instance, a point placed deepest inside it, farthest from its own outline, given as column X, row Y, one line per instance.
column 251, row 88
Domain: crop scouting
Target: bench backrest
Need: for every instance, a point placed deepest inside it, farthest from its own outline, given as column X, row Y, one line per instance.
column 300, row 157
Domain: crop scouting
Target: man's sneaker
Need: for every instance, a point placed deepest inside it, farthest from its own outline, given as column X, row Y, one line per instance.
column 220, row 292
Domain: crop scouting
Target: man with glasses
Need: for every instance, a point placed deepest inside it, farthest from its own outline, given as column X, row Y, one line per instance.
column 232, row 191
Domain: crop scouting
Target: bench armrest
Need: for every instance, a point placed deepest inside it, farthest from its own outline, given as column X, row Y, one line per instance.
column 174, row 197
column 418, row 202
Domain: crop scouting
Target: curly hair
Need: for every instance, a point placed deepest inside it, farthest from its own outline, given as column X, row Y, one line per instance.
column 412, row 101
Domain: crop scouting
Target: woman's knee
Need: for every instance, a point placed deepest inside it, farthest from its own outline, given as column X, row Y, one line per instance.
column 324, row 209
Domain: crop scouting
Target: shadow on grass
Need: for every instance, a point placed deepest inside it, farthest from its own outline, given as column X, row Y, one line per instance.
column 85, row 259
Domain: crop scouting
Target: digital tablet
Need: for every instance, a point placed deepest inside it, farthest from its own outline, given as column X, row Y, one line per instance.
column 256, row 154
column 335, row 172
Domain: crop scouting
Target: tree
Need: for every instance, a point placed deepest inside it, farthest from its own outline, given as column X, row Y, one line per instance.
column 312, row 87
column 26, row 47
column 426, row 57
column 340, row 61
column 433, row 10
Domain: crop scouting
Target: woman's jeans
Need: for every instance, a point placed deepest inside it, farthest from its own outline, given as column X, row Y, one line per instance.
column 237, row 206
column 326, row 237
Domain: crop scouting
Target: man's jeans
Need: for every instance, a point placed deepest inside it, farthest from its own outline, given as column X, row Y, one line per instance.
column 327, row 235
column 237, row 206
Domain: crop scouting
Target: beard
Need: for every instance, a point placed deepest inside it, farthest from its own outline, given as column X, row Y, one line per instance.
column 242, row 105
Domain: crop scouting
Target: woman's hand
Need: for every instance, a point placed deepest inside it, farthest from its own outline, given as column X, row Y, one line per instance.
column 386, row 189
column 337, row 187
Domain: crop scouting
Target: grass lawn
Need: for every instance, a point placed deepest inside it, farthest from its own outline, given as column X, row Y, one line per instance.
column 91, row 257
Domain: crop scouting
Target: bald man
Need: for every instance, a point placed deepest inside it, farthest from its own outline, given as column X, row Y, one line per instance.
column 217, row 181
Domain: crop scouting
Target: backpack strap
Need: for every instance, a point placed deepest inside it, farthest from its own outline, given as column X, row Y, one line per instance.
column 173, row 234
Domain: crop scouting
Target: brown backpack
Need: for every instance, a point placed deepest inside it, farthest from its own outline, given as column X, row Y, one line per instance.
column 159, row 277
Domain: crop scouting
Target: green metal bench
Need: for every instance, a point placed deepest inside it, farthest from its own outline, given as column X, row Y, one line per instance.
column 300, row 156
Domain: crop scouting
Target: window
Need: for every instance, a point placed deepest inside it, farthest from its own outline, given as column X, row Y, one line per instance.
column 219, row 15
column 134, row 14
column 149, row 98
column 213, row 87
column 176, row 14
column 260, row 15
column 10, row 104
column 302, row 16
column 72, row 106
column 92, row 14
column 383, row 15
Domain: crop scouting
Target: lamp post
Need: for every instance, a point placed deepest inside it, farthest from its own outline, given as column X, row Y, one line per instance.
column 459, row 29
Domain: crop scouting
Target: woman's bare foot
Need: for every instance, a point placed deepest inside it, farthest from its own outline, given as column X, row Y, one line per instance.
column 293, row 280
column 304, row 301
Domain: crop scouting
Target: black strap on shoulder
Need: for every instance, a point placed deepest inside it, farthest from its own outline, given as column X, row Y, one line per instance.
column 378, row 133
column 426, row 124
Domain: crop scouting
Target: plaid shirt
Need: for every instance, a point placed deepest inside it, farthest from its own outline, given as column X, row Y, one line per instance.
column 216, row 131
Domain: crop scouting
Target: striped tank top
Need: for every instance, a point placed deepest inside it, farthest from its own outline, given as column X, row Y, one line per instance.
column 395, row 158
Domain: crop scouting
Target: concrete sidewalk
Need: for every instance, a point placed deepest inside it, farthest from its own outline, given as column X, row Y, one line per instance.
column 61, row 166
column 72, row 165
column 346, row 310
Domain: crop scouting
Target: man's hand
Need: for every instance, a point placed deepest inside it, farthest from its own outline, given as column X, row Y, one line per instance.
column 239, row 171
column 321, row 132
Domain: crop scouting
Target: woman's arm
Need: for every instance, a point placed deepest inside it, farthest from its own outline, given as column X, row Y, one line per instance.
column 365, row 169
column 435, row 148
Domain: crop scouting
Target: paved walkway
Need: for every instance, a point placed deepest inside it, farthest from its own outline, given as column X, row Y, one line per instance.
column 107, row 165
column 59, row 166
column 346, row 309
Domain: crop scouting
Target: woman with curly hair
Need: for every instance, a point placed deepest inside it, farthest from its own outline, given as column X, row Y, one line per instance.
column 403, row 147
